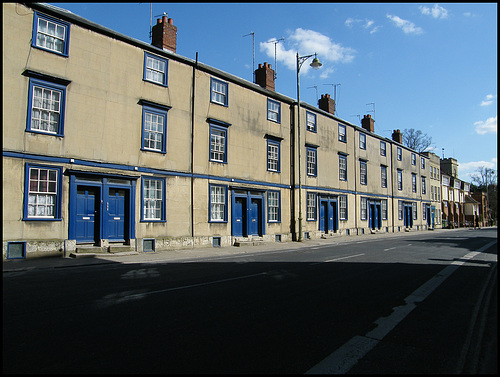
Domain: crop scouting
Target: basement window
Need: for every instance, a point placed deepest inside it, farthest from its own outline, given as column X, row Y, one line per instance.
column 16, row 250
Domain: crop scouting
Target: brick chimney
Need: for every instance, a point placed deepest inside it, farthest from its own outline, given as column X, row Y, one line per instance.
column 368, row 123
column 397, row 136
column 327, row 104
column 164, row 34
column 264, row 76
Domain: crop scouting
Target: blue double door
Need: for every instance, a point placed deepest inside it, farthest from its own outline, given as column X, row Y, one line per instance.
column 247, row 214
column 100, row 212
column 328, row 214
column 408, row 215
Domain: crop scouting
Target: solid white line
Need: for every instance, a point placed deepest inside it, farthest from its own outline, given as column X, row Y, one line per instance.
column 344, row 358
column 336, row 259
column 350, row 256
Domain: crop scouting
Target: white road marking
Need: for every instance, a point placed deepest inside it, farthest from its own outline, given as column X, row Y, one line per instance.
column 336, row 259
column 345, row 357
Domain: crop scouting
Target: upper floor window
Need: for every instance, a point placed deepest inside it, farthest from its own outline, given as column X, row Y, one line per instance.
column 400, row 179
column 273, row 155
column 342, row 133
column 155, row 69
column 312, row 168
column 424, row 190
column 273, row 206
column 362, row 172
column 413, row 159
column 273, row 110
column 42, row 193
column 218, row 144
column 219, row 90
column 50, row 34
column 153, row 199
column 311, row 121
column 362, row 141
column 383, row 176
column 46, row 102
column 342, row 167
column 399, row 154
column 423, row 162
column 382, row 148
column 413, row 182
column 154, row 128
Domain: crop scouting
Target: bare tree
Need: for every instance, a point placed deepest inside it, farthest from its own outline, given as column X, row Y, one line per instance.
column 416, row 140
column 486, row 181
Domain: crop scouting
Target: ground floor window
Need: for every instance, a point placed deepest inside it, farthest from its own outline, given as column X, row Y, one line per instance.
column 311, row 206
column 342, row 207
column 42, row 193
column 218, row 200
column 153, row 199
column 273, row 206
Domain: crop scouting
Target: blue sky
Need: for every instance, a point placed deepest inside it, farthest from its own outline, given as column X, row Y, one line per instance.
column 427, row 66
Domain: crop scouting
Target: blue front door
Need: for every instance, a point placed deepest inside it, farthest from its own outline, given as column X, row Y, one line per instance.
column 239, row 224
column 254, row 216
column 87, row 214
column 323, row 216
column 116, row 220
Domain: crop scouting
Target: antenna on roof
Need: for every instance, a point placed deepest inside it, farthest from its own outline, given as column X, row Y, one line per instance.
column 253, row 45
column 276, row 41
column 315, row 87
column 372, row 111
column 334, row 95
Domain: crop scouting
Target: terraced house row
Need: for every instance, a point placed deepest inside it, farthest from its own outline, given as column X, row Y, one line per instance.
column 116, row 143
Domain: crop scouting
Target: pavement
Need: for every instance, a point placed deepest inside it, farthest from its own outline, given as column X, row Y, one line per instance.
column 193, row 254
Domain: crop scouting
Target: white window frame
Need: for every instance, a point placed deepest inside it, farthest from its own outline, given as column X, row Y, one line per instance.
column 153, row 199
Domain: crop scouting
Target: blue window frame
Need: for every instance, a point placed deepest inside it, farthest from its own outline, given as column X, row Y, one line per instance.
column 50, row 34
column 383, row 176
column 155, row 69
column 42, row 192
column 413, row 182
column 363, row 173
column 400, row 179
column 153, row 199
column 154, row 127
column 273, row 206
column 273, row 111
column 219, row 92
column 217, row 203
column 273, row 155
column 342, row 133
column 362, row 141
column 312, row 163
column 363, row 208
column 383, row 151
column 311, row 212
column 218, row 143
column 310, row 121
column 342, row 167
column 46, row 105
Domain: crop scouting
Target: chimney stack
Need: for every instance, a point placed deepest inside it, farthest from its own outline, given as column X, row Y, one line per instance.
column 397, row 136
column 264, row 76
column 327, row 104
column 368, row 123
column 164, row 34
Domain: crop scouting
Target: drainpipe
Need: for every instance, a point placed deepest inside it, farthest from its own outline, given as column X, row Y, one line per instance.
column 193, row 88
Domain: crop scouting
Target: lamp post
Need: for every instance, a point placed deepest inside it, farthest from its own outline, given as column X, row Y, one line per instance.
column 315, row 64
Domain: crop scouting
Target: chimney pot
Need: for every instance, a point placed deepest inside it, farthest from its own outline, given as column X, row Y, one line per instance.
column 264, row 76
column 164, row 34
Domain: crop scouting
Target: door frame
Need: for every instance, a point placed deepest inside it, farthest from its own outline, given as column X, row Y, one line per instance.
column 249, row 194
column 332, row 220
column 104, row 182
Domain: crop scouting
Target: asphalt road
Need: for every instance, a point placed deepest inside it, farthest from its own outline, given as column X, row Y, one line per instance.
column 421, row 303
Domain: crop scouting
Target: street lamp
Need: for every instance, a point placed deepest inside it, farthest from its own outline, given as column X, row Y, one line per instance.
column 315, row 64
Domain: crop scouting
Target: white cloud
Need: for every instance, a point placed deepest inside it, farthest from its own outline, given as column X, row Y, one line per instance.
column 366, row 23
column 488, row 100
column 405, row 25
column 489, row 126
column 435, row 12
column 468, row 169
column 308, row 42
